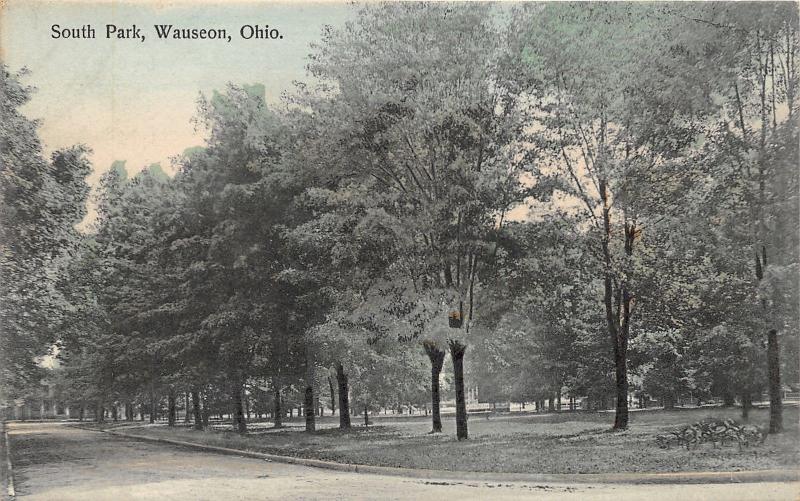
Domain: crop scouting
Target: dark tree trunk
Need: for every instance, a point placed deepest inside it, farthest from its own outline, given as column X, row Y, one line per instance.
column 278, row 412
column 333, row 395
column 551, row 404
column 436, row 357
column 152, row 406
column 774, row 374
column 617, row 318
column 747, row 402
column 82, row 411
column 621, row 372
column 239, row 422
column 172, row 413
column 310, row 403
column 457, row 350
column 669, row 402
column 114, row 414
column 206, row 413
column 186, row 414
column 344, row 399
column 246, row 404
column 773, row 351
column 366, row 416
column 198, row 415
column 309, row 408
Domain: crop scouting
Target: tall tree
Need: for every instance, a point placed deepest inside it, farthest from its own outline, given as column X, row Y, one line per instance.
column 41, row 201
column 429, row 139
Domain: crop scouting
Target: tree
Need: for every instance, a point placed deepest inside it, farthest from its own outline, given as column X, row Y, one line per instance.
column 40, row 203
column 429, row 139
column 603, row 125
column 754, row 48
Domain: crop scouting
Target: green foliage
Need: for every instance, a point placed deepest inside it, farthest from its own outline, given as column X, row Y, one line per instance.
column 40, row 203
column 655, row 144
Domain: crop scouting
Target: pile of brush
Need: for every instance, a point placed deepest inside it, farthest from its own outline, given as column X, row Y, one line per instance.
column 713, row 431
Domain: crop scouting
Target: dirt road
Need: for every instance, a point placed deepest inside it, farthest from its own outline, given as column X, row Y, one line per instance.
column 55, row 461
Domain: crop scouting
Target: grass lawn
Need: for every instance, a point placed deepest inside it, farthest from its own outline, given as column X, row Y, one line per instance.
column 526, row 443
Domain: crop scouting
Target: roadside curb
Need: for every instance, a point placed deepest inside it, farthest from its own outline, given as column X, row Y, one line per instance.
column 561, row 478
column 8, row 487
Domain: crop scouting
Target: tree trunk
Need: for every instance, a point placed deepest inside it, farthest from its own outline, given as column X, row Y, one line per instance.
column 774, row 374
column 82, row 411
column 198, row 416
column 309, row 400
column 669, row 402
column 747, row 399
column 172, row 414
column 333, row 395
column 152, row 405
column 436, row 357
column 186, row 414
column 344, row 400
column 278, row 412
column 114, row 412
column 206, row 413
column 621, row 372
column 457, row 350
column 309, row 408
column 551, row 404
column 239, row 422
column 246, row 404
column 366, row 416
column 98, row 412
column 618, row 327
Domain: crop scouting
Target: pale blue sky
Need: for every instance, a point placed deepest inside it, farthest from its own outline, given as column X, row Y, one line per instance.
column 134, row 101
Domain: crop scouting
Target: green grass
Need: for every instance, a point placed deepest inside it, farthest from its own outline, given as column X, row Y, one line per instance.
column 545, row 443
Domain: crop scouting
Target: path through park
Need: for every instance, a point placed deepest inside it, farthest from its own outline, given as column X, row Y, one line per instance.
column 55, row 461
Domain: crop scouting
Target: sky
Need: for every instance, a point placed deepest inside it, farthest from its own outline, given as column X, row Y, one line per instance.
column 132, row 100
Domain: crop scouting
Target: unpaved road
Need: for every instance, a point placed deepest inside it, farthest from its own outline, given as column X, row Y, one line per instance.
column 54, row 461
